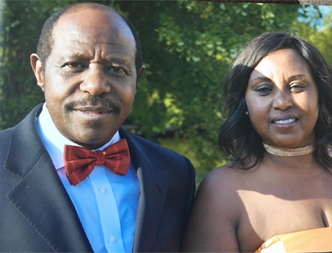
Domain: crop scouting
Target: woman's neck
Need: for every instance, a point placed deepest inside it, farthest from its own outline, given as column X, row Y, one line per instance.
column 289, row 152
column 297, row 159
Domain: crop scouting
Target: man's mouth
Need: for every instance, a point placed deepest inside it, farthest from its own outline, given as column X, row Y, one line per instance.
column 94, row 105
column 93, row 110
column 92, row 113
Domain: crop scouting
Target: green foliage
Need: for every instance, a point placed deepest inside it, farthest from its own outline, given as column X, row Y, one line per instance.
column 188, row 46
column 321, row 38
column 21, row 25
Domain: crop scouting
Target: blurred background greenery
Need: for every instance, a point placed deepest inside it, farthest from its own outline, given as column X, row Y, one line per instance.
column 188, row 46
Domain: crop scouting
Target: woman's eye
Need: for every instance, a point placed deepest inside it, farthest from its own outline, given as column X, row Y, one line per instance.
column 297, row 87
column 264, row 90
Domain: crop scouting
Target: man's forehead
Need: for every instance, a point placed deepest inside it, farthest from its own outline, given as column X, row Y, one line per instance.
column 91, row 6
column 90, row 23
column 92, row 16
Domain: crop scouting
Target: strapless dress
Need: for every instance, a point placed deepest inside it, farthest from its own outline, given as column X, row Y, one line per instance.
column 313, row 240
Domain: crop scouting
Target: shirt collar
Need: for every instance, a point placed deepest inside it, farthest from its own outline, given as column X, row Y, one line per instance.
column 55, row 142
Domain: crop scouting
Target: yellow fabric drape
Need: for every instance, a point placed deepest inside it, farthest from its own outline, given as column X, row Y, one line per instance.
column 313, row 240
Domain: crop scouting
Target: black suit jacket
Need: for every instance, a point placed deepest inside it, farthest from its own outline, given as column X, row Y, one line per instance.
column 37, row 215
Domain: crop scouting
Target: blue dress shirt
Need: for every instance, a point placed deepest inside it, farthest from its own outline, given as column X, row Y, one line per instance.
column 106, row 203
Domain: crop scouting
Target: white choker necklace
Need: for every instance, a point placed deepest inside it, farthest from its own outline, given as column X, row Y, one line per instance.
column 289, row 151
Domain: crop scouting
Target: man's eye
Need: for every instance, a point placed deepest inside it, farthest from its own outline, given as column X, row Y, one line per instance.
column 75, row 65
column 118, row 70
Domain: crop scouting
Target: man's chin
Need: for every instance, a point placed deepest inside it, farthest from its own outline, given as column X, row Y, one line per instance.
column 91, row 138
column 91, row 144
column 91, row 131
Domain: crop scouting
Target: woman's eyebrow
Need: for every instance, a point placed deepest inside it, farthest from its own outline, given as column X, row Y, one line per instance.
column 291, row 78
column 295, row 77
column 261, row 78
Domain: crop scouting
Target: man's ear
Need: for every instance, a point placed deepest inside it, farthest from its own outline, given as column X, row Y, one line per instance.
column 37, row 68
column 140, row 73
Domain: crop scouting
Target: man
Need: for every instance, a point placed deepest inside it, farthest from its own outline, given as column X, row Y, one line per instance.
column 58, row 196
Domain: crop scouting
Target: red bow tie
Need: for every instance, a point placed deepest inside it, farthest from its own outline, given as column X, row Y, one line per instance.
column 80, row 162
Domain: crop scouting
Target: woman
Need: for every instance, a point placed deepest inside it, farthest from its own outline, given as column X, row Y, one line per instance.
column 276, row 135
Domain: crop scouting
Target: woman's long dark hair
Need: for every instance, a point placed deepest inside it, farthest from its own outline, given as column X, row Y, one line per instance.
column 237, row 138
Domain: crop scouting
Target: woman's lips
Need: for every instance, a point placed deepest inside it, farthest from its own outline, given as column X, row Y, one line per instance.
column 284, row 121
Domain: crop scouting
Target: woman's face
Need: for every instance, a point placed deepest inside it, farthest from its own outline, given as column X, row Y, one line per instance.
column 282, row 100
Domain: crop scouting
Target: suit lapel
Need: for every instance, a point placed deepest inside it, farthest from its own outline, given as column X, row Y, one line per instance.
column 40, row 196
column 152, row 197
column 56, row 221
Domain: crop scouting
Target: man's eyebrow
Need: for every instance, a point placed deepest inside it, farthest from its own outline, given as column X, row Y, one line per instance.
column 117, row 60
column 73, row 55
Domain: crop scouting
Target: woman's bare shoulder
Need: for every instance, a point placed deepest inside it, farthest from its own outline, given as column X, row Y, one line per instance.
column 224, row 178
column 216, row 213
column 220, row 191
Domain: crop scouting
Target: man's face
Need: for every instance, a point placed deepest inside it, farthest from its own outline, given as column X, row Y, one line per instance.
column 89, row 79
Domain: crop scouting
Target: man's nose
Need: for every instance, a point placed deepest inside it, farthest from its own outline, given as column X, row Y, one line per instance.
column 282, row 100
column 95, row 81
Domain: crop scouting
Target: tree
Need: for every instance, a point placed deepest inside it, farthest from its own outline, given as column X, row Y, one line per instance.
column 21, row 26
column 188, row 46
column 319, row 36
